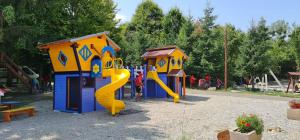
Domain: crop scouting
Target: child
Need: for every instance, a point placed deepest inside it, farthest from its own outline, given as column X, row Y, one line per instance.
column 219, row 83
column 192, row 81
column 139, row 86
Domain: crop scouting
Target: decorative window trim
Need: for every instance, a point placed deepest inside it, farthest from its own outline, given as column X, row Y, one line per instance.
column 161, row 62
column 85, row 53
column 60, row 55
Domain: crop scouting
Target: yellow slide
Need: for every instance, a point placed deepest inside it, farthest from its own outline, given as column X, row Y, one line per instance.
column 106, row 95
column 153, row 75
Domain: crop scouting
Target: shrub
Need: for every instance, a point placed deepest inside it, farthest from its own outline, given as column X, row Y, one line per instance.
column 247, row 123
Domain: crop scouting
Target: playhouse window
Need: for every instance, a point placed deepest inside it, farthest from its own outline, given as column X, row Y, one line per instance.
column 88, row 82
column 108, row 64
column 173, row 61
column 179, row 62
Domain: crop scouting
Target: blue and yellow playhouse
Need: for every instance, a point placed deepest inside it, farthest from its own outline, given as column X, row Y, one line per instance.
column 87, row 74
column 164, row 74
column 89, row 77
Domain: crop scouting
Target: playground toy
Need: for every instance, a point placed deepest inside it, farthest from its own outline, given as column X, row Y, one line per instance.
column 163, row 73
column 87, row 74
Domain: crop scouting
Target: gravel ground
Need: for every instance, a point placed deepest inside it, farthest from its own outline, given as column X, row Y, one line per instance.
column 200, row 116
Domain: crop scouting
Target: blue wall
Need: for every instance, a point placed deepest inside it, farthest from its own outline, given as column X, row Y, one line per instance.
column 154, row 89
column 60, row 91
column 151, row 88
column 100, row 82
column 88, row 99
column 160, row 92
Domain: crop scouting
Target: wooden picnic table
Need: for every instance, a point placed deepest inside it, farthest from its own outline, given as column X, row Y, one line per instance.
column 10, row 104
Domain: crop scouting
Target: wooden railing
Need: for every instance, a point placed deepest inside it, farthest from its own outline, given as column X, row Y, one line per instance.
column 15, row 70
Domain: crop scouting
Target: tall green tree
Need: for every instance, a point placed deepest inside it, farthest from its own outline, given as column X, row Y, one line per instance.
column 281, row 52
column 145, row 29
column 173, row 22
column 295, row 43
column 253, row 59
column 206, row 54
column 184, row 40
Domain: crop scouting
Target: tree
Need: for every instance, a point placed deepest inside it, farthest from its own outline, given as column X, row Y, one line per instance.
column 173, row 22
column 295, row 43
column 42, row 21
column 253, row 59
column 281, row 52
column 206, row 55
column 145, row 30
column 184, row 40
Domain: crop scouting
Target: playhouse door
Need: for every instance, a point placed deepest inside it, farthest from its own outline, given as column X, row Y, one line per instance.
column 73, row 93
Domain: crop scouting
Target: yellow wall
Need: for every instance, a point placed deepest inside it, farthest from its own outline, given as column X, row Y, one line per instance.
column 164, row 68
column 68, row 52
column 71, row 64
column 98, row 44
column 176, row 55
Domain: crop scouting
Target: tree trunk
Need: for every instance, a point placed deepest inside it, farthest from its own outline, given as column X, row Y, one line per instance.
column 252, row 82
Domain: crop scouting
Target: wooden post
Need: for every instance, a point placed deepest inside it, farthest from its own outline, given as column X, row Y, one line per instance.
column 184, row 76
column 266, row 81
column 225, row 58
column 290, row 80
column 294, row 82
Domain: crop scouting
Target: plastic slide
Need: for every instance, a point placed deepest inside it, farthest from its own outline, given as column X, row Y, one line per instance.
column 153, row 75
column 106, row 95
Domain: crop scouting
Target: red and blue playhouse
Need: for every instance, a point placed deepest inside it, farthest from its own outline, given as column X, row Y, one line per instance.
column 89, row 77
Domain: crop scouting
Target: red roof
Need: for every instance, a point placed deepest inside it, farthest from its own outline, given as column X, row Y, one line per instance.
column 164, row 51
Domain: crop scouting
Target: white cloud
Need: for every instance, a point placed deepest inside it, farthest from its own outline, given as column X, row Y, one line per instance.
column 122, row 18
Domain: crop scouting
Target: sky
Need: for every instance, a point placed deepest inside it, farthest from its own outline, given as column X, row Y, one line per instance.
column 240, row 13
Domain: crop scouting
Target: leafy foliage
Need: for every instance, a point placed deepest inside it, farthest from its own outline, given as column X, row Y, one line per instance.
column 247, row 123
column 254, row 60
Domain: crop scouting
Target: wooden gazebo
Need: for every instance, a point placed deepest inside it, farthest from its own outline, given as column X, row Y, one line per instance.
column 292, row 80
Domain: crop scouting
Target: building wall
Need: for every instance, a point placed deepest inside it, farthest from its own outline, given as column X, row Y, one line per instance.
column 65, row 49
column 86, row 53
column 88, row 100
column 177, row 57
column 60, row 91
column 100, row 82
column 161, row 64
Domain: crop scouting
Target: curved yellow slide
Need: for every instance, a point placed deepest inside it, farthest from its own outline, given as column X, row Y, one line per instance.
column 153, row 75
column 106, row 95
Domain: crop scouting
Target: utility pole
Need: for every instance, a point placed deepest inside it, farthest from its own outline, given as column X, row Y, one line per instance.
column 225, row 59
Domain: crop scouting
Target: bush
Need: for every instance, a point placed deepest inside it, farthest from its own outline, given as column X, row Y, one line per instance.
column 247, row 123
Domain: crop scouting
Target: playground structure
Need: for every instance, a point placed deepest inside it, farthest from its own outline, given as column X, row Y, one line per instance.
column 293, row 76
column 163, row 74
column 88, row 76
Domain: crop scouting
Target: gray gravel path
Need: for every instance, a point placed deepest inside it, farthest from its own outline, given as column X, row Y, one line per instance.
column 200, row 116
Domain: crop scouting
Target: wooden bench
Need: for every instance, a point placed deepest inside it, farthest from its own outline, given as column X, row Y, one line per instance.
column 7, row 114
column 3, row 107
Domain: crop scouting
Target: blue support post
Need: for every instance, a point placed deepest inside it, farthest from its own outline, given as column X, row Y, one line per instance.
column 145, row 81
column 132, row 81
